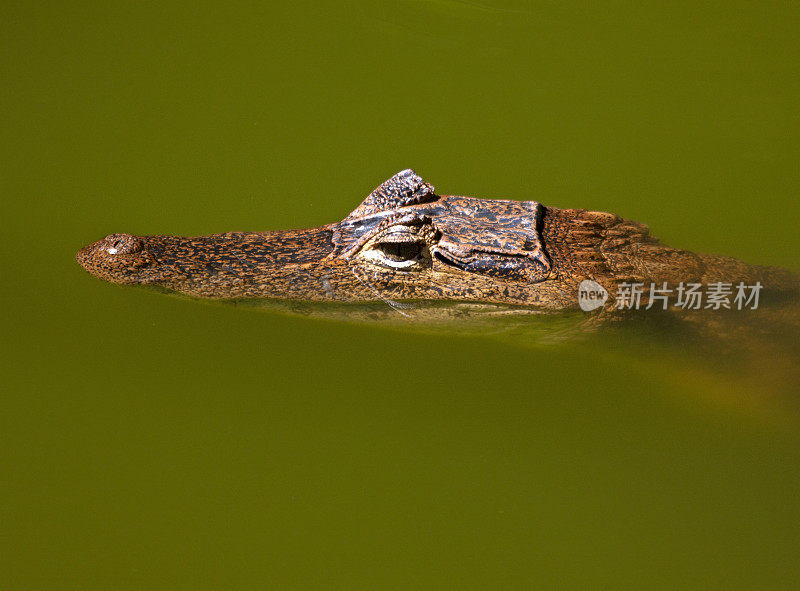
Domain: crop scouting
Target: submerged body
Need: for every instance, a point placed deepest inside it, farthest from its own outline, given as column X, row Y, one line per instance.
column 404, row 242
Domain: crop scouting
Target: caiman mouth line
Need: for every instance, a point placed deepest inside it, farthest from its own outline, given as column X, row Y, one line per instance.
column 405, row 242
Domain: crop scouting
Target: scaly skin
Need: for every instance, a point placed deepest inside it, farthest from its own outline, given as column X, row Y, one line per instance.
column 404, row 242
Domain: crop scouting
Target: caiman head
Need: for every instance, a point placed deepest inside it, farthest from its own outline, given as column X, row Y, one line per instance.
column 403, row 242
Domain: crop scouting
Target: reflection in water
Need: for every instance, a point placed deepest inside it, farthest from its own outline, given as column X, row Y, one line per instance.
column 711, row 354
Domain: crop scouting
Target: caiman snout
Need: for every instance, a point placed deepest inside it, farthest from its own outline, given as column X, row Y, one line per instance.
column 121, row 244
column 114, row 257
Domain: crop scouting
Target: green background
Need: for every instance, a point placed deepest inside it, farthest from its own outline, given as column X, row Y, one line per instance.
column 150, row 442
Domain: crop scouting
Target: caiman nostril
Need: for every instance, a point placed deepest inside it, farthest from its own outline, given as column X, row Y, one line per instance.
column 122, row 244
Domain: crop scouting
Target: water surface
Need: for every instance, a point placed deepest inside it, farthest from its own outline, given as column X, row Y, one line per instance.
column 152, row 442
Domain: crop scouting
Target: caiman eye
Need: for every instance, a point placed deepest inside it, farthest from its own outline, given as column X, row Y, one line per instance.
column 399, row 249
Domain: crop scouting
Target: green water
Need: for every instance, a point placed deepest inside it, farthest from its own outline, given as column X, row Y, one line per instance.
column 150, row 442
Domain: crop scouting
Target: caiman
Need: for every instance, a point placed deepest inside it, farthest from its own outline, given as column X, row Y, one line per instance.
column 414, row 249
